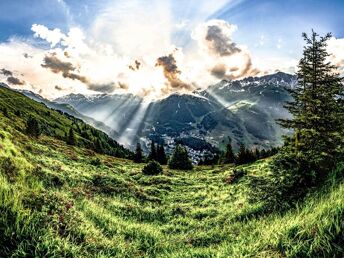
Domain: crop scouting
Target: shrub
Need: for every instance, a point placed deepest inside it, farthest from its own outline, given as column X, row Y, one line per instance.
column 9, row 168
column 237, row 174
column 95, row 162
column 152, row 168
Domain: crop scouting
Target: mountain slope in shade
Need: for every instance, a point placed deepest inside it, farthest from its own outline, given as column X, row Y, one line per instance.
column 244, row 110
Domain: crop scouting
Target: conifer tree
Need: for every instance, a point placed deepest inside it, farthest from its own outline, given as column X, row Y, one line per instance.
column 180, row 159
column 138, row 156
column 161, row 155
column 241, row 157
column 32, row 127
column 229, row 154
column 71, row 137
column 152, row 154
column 317, row 109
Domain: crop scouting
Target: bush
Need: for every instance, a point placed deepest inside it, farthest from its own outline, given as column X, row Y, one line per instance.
column 152, row 168
column 9, row 168
column 96, row 162
column 236, row 176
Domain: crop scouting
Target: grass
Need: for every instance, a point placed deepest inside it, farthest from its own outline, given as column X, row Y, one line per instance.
column 55, row 203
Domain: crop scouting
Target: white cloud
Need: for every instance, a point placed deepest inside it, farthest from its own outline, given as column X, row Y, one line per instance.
column 52, row 36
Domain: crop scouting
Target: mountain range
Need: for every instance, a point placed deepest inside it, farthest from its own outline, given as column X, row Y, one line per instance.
column 243, row 110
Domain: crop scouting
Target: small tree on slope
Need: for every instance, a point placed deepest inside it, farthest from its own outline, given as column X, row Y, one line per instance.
column 180, row 159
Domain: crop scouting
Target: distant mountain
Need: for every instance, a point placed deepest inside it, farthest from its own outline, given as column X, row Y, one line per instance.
column 245, row 110
column 69, row 109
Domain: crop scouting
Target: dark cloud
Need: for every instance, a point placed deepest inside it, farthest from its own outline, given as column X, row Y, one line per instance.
column 15, row 81
column 102, row 87
column 59, row 88
column 171, row 72
column 221, row 44
column 136, row 66
column 219, row 71
column 6, row 72
column 26, row 55
column 66, row 68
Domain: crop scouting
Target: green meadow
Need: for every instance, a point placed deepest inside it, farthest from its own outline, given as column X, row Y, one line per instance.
column 58, row 200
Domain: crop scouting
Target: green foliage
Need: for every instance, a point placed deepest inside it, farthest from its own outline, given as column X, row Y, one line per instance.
column 71, row 137
column 96, row 162
column 152, row 168
column 229, row 154
column 9, row 169
column 180, row 159
column 138, row 156
column 161, row 155
column 153, row 152
column 32, row 127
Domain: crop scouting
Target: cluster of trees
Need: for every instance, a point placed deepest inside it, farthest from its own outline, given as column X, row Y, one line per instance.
column 157, row 153
column 243, row 156
column 178, row 160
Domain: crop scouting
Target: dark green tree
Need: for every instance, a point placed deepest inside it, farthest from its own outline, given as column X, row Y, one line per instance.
column 138, row 156
column 180, row 159
column 229, row 156
column 33, row 127
column 241, row 157
column 161, row 155
column 152, row 155
column 318, row 111
column 71, row 137
column 152, row 168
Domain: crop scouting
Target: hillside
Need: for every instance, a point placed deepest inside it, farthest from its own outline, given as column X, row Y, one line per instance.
column 58, row 201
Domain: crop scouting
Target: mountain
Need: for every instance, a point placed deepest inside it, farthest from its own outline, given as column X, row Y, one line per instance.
column 54, row 123
column 245, row 110
column 66, row 108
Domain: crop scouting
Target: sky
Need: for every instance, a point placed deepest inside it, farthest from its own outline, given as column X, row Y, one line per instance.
column 153, row 48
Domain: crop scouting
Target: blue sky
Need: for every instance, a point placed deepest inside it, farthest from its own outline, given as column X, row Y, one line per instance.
column 267, row 31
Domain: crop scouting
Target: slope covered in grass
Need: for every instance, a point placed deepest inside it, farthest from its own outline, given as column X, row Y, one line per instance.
column 56, row 201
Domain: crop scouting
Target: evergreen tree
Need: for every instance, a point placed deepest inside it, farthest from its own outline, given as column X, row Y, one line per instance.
column 229, row 154
column 138, row 156
column 71, row 137
column 180, row 159
column 161, row 155
column 317, row 109
column 98, row 146
column 152, row 155
column 241, row 157
column 32, row 127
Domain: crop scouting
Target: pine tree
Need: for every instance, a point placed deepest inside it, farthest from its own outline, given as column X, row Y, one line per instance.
column 317, row 109
column 241, row 157
column 138, row 156
column 152, row 155
column 180, row 159
column 32, row 127
column 161, row 155
column 229, row 154
column 71, row 137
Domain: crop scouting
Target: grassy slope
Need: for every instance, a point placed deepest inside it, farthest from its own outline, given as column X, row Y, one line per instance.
column 53, row 202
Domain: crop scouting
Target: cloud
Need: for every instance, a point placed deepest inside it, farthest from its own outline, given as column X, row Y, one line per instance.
column 15, row 81
column 6, row 72
column 335, row 47
column 66, row 68
column 52, row 36
column 220, row 41
column 171, row 72
column 59, row 88
column 222, row 57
